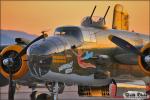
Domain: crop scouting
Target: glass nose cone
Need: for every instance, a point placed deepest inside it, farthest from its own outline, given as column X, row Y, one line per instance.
column 39, row 58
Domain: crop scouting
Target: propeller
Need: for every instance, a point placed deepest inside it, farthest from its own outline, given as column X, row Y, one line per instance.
column 127, row 46
column 124, row 44
column 11, row 61
column 11, row 85
column 106, row 14
column 38, row 38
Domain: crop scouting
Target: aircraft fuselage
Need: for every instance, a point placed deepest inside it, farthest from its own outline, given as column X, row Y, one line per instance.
column 85, row 56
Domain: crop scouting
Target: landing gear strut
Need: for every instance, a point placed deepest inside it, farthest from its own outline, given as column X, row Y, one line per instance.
column 33, row 94
column 55, row 88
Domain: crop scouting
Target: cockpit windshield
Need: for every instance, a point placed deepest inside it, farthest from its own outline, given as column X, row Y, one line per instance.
column 71, row 31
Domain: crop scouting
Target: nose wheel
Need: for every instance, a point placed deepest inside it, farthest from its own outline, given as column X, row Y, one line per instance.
column 54, row 89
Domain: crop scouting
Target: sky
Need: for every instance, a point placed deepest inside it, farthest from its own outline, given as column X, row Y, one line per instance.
column 35, row 16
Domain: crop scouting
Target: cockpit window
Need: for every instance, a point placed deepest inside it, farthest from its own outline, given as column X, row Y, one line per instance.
column 69, row 31
column 60, row 33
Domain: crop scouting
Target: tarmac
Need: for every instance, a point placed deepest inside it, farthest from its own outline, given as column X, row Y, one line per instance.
column 70, row 93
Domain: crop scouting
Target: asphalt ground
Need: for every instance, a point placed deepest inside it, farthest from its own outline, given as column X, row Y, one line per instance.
column 70, row 93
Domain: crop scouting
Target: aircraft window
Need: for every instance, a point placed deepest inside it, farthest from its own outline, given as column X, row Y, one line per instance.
column 60, row 33
column 89, row 36
column 92, row 36
column 59, row 44
column 86, row 36
column 69, row 31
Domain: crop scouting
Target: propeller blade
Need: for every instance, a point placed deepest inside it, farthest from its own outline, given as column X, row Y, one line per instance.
column 11, row 85
column 25, row 49
column 124, row 44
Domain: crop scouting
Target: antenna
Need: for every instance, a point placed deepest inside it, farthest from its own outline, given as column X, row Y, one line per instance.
column 92, row 13
column 106, row 14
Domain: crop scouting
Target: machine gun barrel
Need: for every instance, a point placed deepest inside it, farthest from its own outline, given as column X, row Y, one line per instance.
column 93, row 12
column 106, row 12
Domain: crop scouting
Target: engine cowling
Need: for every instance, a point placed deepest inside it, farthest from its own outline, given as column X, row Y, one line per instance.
column 20, row 67
column 144, row 60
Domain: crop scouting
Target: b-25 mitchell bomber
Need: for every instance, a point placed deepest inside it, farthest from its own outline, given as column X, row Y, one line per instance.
column 88, row 56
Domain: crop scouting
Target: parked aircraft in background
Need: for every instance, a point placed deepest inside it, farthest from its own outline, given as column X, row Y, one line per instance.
column 85, row 55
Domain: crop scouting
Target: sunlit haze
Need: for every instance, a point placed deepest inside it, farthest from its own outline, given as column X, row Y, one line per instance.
column 36, row 16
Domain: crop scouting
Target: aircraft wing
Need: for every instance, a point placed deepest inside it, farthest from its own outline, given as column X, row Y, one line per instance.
column 8, row 37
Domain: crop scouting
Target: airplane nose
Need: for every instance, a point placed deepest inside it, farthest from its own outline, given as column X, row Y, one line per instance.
column 40, row 54
column 39, row 59
column 38, row 48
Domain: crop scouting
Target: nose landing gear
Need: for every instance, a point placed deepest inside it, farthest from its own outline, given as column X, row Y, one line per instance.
column 55, row 88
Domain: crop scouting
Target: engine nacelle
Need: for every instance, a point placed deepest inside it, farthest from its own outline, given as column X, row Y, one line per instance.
column 144, row 60
column 20, row 67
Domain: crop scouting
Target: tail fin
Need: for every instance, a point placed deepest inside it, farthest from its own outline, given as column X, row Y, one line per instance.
column 120, row 18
